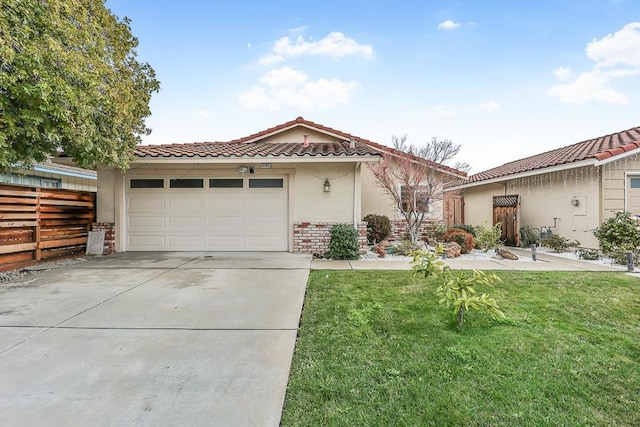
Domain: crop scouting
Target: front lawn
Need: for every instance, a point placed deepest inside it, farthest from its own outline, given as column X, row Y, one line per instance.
column 375, row 349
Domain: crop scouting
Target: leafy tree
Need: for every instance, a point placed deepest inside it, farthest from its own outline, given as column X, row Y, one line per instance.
column 70, row 80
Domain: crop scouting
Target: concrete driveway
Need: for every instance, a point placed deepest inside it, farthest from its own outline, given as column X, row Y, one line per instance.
column 151, row 339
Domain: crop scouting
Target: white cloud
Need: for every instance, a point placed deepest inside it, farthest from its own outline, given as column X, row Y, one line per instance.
column 490, row 106
column 201, row 113
column 298, row 30
column 616, row 56
column 448, row 25
column 562, row 73
column 619, row 48
column 286, row 87
column 589, row 86
column 335, row 45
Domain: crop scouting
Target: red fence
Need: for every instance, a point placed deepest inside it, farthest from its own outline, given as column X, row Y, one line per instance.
column 43, row 224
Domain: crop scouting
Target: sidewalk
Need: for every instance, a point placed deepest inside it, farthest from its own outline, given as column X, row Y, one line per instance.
column 545, row 262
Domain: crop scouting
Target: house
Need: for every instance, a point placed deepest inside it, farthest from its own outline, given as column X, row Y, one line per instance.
column 52, row 175
column 280, row 189
column 568, row 191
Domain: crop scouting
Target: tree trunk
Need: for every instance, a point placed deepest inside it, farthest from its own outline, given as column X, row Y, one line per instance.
column 460, row 315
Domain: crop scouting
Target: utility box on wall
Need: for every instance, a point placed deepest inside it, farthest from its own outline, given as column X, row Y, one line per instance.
column 579, row 204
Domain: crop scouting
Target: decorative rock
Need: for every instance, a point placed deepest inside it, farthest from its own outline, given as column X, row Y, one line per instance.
column 452, row 250
column 507, row 255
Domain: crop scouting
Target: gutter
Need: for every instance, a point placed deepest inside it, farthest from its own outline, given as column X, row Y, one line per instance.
column 64, row 172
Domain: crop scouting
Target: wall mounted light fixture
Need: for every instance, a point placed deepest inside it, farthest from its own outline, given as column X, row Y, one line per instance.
column 326, row 185
column 243, row 169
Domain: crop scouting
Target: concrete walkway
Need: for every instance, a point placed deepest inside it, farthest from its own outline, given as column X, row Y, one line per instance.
column 545, row 262
column 151, row 339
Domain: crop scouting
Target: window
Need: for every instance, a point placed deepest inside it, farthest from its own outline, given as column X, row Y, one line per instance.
column 33, row 181
column 635, row 182
column 226, row 183
column 186, row 183
column 147, row 183
column 415, row 198
column 266, row 183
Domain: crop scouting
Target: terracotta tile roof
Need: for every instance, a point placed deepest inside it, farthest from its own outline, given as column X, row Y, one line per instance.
column 255, row 149
column 601, row 148
column 299, row 121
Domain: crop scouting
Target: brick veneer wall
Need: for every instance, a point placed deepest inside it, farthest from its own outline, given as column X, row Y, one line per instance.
column 399, row 228
column 313, row 237
column 109, row 236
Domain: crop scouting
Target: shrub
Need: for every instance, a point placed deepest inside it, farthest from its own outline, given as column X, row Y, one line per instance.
column 588, row 254
column 619, row 233
column 406, row 247
column 461, row 237
column 344, row 242
column 435, row 231
column 428, row 263
column 529, row 236
column 488, row 237
column 559, row 243
column 378, row 228
column 459, row 291
column 468, row 228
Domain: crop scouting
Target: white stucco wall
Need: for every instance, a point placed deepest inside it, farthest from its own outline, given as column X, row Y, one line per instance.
column 545, row 197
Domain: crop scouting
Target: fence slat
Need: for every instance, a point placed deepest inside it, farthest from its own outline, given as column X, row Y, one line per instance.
column 38, row 223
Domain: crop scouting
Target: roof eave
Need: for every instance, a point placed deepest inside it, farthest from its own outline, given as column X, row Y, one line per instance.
column 618, row 157
column 551, row 169
column 258, row 159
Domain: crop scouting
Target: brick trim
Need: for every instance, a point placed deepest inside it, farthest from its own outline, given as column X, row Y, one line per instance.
column 313, row 237
column 109, row 236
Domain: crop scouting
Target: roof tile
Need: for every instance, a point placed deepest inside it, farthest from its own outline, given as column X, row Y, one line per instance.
column 600, row 148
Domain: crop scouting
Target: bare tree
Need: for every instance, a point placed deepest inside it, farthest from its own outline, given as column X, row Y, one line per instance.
column 414, row 179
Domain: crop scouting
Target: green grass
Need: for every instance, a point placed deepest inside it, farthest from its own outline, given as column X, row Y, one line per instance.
column 374, row 349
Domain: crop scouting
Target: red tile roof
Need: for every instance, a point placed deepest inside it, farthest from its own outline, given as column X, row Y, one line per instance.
column 255, row 149
column 597, row 149
column 299, row 121
column 251, row 146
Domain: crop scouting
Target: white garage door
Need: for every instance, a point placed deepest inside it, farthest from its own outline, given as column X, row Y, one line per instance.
column 216, row 214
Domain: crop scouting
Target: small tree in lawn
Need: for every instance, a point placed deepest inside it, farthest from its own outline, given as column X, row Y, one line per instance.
column 414, row 184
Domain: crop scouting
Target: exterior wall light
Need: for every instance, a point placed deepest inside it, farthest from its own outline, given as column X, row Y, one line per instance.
column 243, row 169
column 326, row 185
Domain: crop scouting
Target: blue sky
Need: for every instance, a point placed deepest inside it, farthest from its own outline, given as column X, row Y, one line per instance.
column 506, row 79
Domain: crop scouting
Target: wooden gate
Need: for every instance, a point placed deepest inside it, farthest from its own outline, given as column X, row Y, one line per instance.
column 42, row 223
column 506, row 212
column 453, row 210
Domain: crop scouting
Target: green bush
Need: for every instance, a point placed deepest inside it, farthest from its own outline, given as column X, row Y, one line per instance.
column 378, row 228
column 559, row 243
column 344, row 242
column 619, row 233
column 461, row 237
column 468, row 228
column 428, row 263
column 435, row 231
column 406, row 247
column 488, row 237
column 589, row 254
column 529, row 236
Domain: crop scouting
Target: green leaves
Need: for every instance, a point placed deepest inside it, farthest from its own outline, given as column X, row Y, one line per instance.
column 70, row 80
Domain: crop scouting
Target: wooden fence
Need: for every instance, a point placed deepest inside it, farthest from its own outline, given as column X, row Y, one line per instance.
column 43, row 224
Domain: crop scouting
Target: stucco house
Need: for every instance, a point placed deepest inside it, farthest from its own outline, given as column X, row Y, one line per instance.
column 48, row 174
column 568, row 191
column 280, row 189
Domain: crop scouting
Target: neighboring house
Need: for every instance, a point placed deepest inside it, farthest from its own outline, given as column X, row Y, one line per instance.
column 276, row 190
column 568, row 191
column 52, row 175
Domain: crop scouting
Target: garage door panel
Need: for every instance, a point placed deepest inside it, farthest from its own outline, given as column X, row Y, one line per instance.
column 183, row 203
column 148, row 242
column 142, row 222
column 182, row 241
column 146, row 203
column 187, row 221
column 229, row 219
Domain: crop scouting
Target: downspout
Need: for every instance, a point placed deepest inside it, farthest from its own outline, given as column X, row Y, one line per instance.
column 356, row 193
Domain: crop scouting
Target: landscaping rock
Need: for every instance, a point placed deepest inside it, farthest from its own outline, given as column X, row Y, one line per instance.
column 452, row 250
column 507, row 255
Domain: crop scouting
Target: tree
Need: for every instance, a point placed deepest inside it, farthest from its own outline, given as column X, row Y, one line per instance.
column 70, row 81
column 414, row 183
